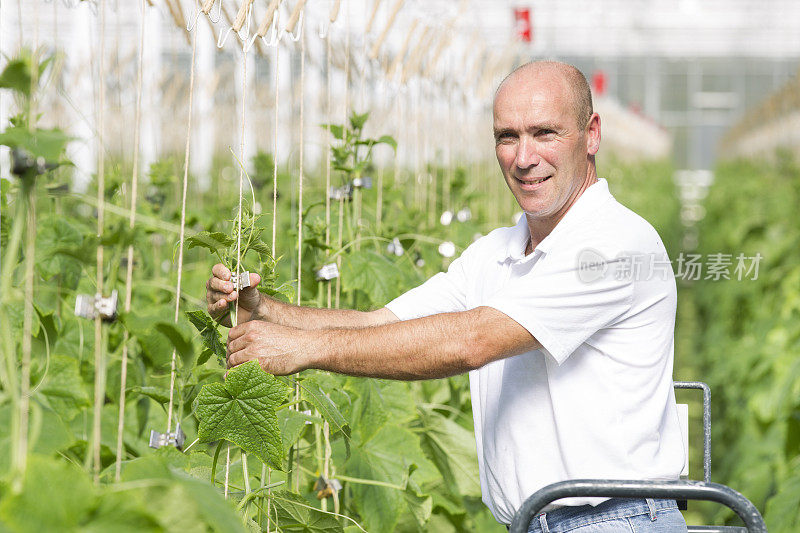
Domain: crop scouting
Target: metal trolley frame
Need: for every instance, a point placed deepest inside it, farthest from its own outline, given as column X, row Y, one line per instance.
column 678, row 489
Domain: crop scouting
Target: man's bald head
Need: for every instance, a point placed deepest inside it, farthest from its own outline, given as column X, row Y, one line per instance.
column 581, row 97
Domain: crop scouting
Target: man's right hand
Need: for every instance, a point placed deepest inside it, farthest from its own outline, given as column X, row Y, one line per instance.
column 220, row 293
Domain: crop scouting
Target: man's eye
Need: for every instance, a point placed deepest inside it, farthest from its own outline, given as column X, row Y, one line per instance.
column 546, row 132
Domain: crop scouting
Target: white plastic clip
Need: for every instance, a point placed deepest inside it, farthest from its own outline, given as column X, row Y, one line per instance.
column 91, row 307
column 328, row 272
column 395, row 247
column 242, row 282
column 446, row 218
column 447, row 249
column 341, row 193
column 175, row 438
column 362, row 183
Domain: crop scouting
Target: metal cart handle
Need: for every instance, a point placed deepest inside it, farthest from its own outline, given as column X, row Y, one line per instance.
column 686, row 490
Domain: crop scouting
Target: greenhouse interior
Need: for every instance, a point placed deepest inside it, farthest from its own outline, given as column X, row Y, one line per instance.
column 334, row 159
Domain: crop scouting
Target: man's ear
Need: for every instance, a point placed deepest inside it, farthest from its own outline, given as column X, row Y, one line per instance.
column 593, row 134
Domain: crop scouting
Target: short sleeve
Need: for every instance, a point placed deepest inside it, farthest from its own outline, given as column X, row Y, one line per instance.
column 443, row 293
column 563, row 307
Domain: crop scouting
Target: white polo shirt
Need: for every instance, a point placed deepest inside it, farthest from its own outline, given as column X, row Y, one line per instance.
column 597, row 400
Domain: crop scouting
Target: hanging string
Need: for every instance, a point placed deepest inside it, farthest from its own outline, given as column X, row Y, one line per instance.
column 328, row 157
column 99, row 356
column 131, row 223
column 235, row 314
column 300, row 214
column 275, row 155
column 346, row 125
column 183, row 224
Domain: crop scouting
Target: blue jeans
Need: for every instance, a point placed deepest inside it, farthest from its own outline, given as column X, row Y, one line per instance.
column 617, row 515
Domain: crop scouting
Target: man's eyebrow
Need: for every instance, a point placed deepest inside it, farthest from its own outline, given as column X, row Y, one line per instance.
column 502, row 131
column 545, row 126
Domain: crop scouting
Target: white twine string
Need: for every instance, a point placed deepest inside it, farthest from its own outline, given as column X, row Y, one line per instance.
column 132, row 221
column 183, row 225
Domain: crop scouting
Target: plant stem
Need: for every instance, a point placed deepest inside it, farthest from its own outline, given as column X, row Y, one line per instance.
column 27, row 327
column 9, row 374
column 246, row 482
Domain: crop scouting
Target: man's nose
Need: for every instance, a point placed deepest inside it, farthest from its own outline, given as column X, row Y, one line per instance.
column 527, row 155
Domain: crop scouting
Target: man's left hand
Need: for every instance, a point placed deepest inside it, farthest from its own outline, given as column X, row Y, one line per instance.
column 280, row 350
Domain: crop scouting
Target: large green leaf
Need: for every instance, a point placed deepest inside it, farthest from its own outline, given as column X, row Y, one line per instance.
column 371, row 273
column 242, row 410
column 390, row 456
column 56, row 496
column 63, row 386
column 179, row 341
column 312, row 392
column 17, row 75
column 451, row 447
column 48, row 144
column 212, row 340
column 215, row 241
column 176, row 500
column 295, row 515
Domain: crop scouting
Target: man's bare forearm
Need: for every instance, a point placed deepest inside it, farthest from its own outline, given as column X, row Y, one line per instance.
column 432, row 347
column 300, row 317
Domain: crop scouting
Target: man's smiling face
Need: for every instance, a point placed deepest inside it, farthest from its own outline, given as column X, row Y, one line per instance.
column 542, row 150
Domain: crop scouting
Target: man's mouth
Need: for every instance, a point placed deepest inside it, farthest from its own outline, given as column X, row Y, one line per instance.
column 533, row 182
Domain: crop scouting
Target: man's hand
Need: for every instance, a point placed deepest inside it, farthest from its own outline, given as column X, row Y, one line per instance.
column 220, row 293
column 280, row 350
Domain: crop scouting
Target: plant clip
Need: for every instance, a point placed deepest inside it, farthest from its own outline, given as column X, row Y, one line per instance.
column 91, row 307
column 242, row 282
column 341, row 193
column 362, row 183
column 464, row 214
column 395, row 247
column 328, row 272
column 446, row 218
column 447, row 249
column 326, row 488
column 24, row 164
column 175, row 438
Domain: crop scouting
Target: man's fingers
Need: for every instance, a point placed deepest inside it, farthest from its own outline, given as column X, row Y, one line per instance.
column 238, row 358
column 218, row 284
column 237, row 344
column 255, row 279
column 239, row 330
column 221, row 271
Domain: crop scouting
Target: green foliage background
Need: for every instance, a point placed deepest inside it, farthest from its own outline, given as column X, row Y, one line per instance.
column 403, row 452
column 744, row 336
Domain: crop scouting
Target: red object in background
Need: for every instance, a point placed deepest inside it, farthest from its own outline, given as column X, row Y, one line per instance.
column 522, row 24
column 599, row 82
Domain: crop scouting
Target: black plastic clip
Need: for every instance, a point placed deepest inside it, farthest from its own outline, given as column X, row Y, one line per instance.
column 325, row 488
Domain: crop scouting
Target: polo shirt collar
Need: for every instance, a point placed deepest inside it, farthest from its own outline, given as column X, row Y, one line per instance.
column 594, row 196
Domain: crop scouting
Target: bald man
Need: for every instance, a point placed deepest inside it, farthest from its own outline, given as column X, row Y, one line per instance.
column 563, row 322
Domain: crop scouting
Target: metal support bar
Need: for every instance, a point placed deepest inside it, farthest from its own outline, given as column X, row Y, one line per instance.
column 689, row 490
column 699, row 385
